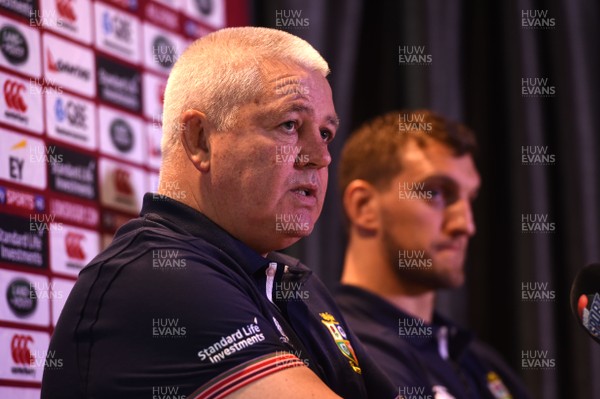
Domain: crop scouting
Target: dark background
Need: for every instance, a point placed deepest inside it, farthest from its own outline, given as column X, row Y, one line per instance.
column 480, row 53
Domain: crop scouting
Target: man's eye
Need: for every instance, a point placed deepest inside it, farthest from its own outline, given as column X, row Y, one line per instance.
column 326, row 135
column 289, row 126
column 435, row 192
column 439, row 195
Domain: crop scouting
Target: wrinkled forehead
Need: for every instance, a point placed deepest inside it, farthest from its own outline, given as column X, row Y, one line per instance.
column 291, row 88
column 281, row 77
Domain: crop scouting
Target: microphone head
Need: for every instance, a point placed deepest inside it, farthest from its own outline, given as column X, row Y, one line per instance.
column 585, row 299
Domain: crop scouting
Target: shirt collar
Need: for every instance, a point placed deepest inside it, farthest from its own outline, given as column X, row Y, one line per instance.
column 371, row 304
column 185, row 219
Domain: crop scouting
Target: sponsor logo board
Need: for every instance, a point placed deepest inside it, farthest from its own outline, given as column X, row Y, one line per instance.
column 69, row 65
column 117, row 33
column 119, row 84
column 24, row 8
column 73, row 212
column 71, row 119
column 21, row 103
column 13, row 199
column 23, row 353
column 72, row 249
column 24, row 241
column 121, row 135
column 72, row 18
column 20, row 47
column 23, row 298
column 74, row 175
column 154, row 93
column 122, row 186
column 161, row 48
column 209, row 12
column 23, row 159
column 154, row 133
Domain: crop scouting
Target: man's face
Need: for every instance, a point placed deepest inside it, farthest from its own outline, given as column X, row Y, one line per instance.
column 270, row 170
column 426, row 215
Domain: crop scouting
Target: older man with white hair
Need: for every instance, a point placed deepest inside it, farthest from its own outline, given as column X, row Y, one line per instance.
column 190, row 300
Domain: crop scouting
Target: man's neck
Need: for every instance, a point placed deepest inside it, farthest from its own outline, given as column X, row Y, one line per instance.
column 420, row 306
column 370, row 270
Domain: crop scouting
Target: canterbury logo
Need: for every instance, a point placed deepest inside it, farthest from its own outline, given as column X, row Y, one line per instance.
column 65, row 10
column 73, row 245
column 122, row 183
column 12, row 95
column 19, row 349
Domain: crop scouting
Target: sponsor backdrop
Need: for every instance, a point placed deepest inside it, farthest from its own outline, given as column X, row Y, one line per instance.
column 80, row 123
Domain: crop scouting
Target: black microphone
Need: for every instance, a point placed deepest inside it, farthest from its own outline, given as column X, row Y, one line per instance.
column 585, row 299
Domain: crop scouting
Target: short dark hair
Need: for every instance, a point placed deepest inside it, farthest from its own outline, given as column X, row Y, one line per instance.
column 372, row 151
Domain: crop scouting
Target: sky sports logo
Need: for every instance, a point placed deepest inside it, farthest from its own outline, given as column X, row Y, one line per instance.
column 22, row 200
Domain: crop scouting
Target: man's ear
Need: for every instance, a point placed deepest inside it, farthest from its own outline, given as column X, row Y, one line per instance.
column 194, row 135
column 361, row 203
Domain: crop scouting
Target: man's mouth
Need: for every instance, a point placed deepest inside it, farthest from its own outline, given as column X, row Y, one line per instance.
column 453, row 246
column 301, row 191
column 305, row 191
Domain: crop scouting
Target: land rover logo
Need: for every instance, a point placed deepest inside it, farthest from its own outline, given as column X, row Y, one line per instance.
column 204, row 6
column 13, row 45
column 121, row 135
column 21, row 297
column 164, row 51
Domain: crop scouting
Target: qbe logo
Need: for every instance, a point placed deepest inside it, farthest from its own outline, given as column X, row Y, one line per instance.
column 116, row 25
column 71, row 119
column 73, row 112
column 117, row 33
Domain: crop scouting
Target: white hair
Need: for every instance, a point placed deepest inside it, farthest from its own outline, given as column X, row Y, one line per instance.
column 223, row 70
